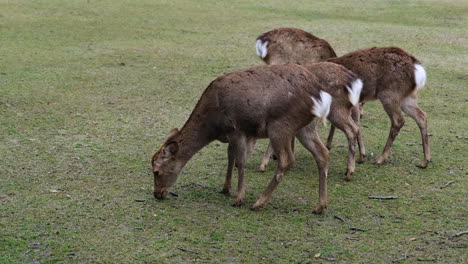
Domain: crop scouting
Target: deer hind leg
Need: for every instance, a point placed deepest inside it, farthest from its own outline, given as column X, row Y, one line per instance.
column 411, row 108
column 396, row 117
column 282, row 147
column 310, row 139
column 238, row 144
column 356, row 113
column 231, row 159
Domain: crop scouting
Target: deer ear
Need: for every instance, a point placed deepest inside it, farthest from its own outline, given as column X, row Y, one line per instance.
column 170, row 149
column 172, row 133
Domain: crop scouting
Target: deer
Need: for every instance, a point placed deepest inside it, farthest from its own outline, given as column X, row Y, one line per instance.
column 278, row 102
column 281, row 46
column 389, row 74
column 334, row 79
column 395, row 78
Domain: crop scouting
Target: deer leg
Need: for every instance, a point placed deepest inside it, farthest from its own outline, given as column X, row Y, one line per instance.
column 394, row 112
column 282, row 148
column 411, row 108
column 230, row 167
column 250, row 146
column 266, row 158
column 310, row 139
column 361, row 109
column 240, row 154
column 330, row 137
column 356, row 113
column 351, row 130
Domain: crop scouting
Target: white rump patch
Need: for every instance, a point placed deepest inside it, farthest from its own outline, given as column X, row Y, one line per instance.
column 419, row 76
column 321, row 108
column 355, row 91
column 261, row 48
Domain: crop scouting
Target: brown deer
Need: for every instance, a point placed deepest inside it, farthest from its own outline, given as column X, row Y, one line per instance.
column 274, row 101
column 335, row 80
column 280, row 46
column 394, row 77
column 389, row 74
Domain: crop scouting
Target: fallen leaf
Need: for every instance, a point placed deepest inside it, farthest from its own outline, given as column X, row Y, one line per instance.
column 95, row 123
column 412, row 239
column 317, row 255
column 122, row 63
column 407, row 184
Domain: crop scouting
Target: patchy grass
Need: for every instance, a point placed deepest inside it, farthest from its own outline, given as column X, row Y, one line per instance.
column 78, row 128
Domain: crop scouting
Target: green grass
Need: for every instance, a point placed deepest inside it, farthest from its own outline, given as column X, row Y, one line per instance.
column 77, row 131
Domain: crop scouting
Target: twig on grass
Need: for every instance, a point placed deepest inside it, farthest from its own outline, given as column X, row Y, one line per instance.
column 358, row 229
column 339, row 218
column 421, row 259
column 447, row 184
column 383, row 197
column 405, row 257
column 461, row 233
column 187, row 250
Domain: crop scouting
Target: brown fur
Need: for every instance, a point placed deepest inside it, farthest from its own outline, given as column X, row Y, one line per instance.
column 388, row 75
column 265, row 101
column 283, row 42
column 335, row 79
column 382, row 70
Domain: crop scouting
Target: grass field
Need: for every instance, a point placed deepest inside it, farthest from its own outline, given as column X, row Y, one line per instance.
column 89, row 89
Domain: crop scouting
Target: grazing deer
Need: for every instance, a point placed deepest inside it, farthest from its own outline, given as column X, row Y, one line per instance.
column 274, row 101
column 335, row 80
column 389, row 74
column 394, row 77
column 280, row 46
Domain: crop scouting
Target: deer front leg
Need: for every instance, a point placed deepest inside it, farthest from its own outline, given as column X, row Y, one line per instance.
column 227, row 182
column 266, row 158
column 239, row 143
column 351, row 131
column 330, row 137
column 356, row 113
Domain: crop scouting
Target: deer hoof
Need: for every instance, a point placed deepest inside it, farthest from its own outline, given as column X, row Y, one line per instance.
column 379, row 162
column 361, row 159
column 320, row 209
column 237, row 203
column 225, row 191
column 261, row 170
column 255, row 208
column 349, row 176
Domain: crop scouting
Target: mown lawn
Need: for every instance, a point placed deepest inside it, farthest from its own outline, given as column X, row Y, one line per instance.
column 89, row 89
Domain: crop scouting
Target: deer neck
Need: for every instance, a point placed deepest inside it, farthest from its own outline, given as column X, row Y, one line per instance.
column 192, row 138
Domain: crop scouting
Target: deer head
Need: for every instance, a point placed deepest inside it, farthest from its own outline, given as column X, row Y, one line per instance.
column 167, row 164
